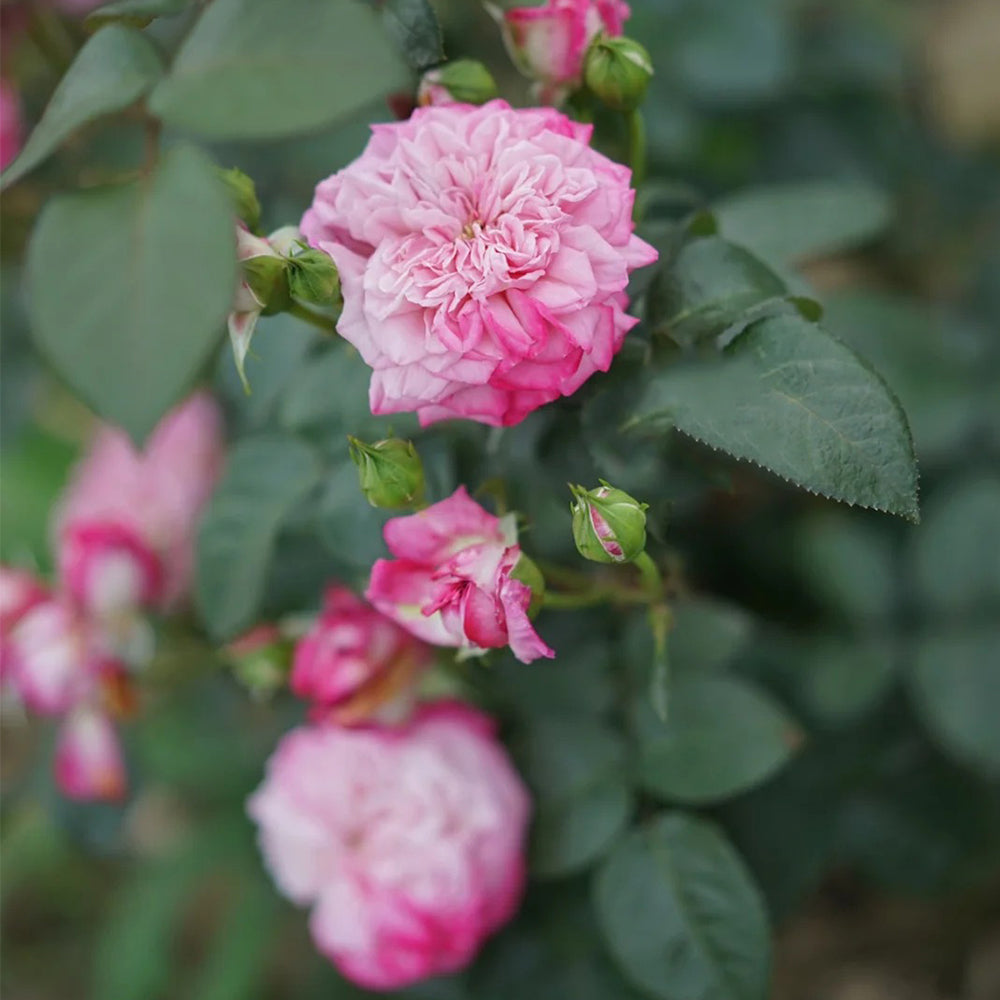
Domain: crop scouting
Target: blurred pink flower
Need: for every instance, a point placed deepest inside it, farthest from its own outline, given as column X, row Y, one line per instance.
column 355, row 662
column 20, row 591
column 483, row 255
column 407, row 842
column 11, row 128
column 54, row 657
column 107, row 568
column 126, row 525
column 88, row 760
column 451, row 582
column 548, row 43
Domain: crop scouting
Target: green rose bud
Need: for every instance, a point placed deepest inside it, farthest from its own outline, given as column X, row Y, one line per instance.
column 390, row 472
column 244, row 196
column 267, row 278
column 609, row 526
column 618, row 71
column 261, row 660
column 463, row 81
column 314, row 278
column 531, row 576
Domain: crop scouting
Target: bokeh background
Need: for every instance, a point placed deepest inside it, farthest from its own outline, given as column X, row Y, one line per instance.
column 878, row 846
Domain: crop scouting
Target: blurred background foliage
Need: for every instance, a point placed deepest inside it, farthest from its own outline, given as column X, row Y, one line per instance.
column 836, row 672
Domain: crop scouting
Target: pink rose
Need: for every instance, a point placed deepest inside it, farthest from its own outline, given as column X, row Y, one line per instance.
column 11, row 129
column 107, row 568
column 451, row 582
column 126, row 525
column 88, row 760
column 354, row 661
column 19, row 593
column 548, row 43
column 54, row 657
column 407, row 842
column 483, row 256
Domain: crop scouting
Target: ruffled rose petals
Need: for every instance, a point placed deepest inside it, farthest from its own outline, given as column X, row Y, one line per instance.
column 483, row 254
column 452, row 582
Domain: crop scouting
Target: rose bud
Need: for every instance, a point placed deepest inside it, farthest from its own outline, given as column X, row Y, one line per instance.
column 262, row 290
column 609, row 526
column 390, row 472
column 356, row 664
column 548, row 43
column 618, row 71
column 313, row 277
column 464, row 81
column 260, row 659
column 244, row 196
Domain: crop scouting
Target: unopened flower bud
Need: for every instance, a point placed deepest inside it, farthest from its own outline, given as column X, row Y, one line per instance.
column 618, row 71
column 314, row 279
column 531, row 576
column 464, row 81
column 390, row 472
column 267, row 279
column 244, row 196
column 260, row 659
column 609, row 526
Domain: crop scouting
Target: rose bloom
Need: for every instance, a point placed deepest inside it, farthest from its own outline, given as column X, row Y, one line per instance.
column 354, row 662
column 406, row 841
column 483, row 255
column 126, row 524
column 451, row 582
column 548, row 43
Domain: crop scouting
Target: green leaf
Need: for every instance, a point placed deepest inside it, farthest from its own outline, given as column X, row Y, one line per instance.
column 789, row 397
column 840, row 678
column 33, row 472
column 957, row 551
column 264, row 479
column 331, row 392
column 849, row 564
column 238, row 954
column 134, row 12
column 134, row 960
column 682, row 915
column 786, row 223
column 576, row 769
column 955, row 684
column 263, row 70
column 709, row 286
column 129, row 286
column 723, row 735
column 112, row 70
column 349, row 527
column 414, row 27
column 706, row 634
